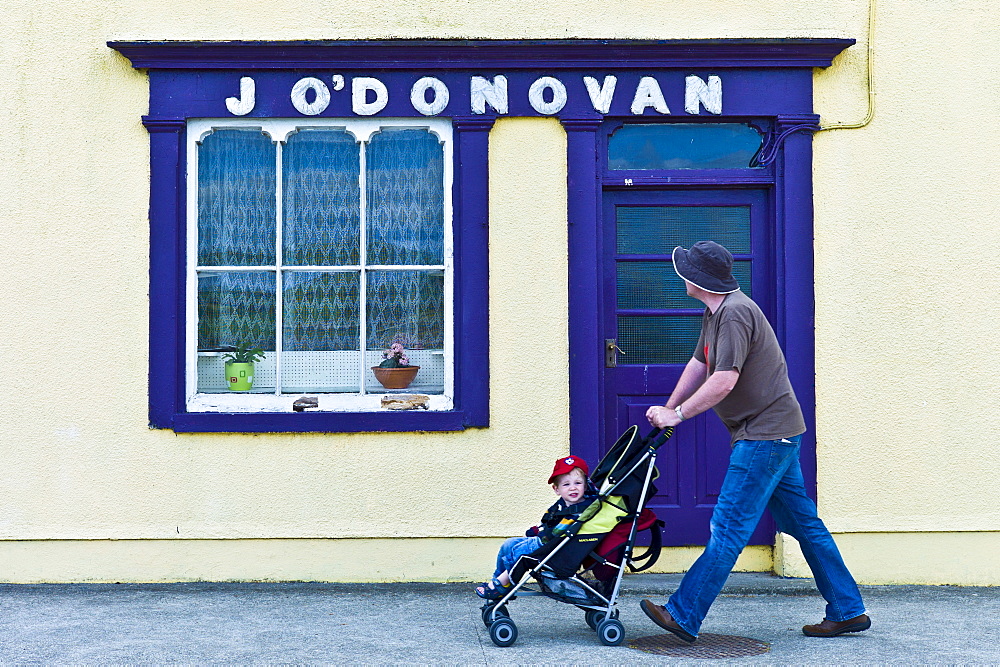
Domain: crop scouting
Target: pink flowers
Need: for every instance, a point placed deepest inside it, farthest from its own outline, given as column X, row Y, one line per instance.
column 395, row 356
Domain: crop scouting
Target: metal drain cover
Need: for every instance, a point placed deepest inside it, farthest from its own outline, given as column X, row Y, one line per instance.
column 707, row 646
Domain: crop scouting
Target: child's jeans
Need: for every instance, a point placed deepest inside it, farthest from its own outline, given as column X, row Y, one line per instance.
column 512, row 549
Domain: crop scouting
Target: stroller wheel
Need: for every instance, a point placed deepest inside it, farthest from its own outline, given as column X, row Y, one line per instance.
column 611, row 632
column 594, row 617
column 503, row 632
column 487, row 612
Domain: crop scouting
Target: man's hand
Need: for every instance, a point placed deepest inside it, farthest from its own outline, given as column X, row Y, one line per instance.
column 662, row 417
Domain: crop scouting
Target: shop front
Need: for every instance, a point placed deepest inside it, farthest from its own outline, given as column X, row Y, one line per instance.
column 324, row 200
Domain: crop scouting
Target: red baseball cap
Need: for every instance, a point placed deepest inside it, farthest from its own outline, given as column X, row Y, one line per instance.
column 565, row 465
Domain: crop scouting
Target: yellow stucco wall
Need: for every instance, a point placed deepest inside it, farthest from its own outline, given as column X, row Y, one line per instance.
column 906, row 236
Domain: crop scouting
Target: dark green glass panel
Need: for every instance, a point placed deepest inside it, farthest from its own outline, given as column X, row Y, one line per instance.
column 651, row 230
column 653, row 284
column 236, row 207
column 322, row 198
column 657, row 340
column 406, row 306
column 321, row 311
column 236, row 308
column 683, row 146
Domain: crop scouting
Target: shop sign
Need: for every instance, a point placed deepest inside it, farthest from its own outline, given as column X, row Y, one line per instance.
column 431, row 96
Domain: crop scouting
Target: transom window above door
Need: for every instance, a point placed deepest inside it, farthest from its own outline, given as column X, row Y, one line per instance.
column 322, row 243
column 670, row 146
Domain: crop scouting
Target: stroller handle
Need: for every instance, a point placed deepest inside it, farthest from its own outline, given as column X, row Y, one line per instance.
column 658, row 436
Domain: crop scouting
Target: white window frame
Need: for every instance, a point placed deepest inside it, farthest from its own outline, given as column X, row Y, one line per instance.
column 368, row 399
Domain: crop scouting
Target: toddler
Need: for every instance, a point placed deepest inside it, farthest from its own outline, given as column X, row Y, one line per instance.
column 569, row 481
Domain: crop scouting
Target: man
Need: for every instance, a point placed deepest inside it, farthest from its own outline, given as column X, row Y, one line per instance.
column 739, row 370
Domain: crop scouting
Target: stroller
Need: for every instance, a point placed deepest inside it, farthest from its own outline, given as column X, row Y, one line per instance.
column 585, row 566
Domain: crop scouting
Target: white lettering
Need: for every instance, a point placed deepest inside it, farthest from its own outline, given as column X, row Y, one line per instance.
column 647, row 94
column 418, row 96
column 600, row 96
column 484, row 92
column 338, row 81
column 536, row 95
column 697, row 92
column 359, row 95
column 318, row 105
column 244, row 104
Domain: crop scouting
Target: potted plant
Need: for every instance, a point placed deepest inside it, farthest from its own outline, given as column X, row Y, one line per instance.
column 239, row 366
column 395, row 371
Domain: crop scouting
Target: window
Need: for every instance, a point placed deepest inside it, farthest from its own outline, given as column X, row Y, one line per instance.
column 683, row 146
column 321, row 242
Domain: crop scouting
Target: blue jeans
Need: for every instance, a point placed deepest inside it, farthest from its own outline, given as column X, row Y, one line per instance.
column 764, row 473
column 512, row 549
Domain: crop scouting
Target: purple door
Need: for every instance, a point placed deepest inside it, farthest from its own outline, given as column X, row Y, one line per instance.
column 650, row 329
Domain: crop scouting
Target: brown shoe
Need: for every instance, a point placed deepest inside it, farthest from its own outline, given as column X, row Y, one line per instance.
column 659, row 615
column 830, row 628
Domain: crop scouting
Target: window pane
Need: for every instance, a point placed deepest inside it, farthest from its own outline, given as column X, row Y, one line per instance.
column 656, row 285
column 236, row 191
column 321, row 337
column 406, row 306
column 652, row 230
column 320, row 311
column 235, row 308
column 321, row 198
column 658, row 340
column 683, row 146
column 405, row 195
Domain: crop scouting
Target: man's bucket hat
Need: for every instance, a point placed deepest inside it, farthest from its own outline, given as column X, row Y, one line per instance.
column 566, row 464
column 707, row 265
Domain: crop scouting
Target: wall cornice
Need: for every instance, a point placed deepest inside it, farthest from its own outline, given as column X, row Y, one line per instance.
column 474, row 54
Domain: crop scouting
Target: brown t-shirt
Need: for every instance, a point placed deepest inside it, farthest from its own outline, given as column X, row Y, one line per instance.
column 762, row 405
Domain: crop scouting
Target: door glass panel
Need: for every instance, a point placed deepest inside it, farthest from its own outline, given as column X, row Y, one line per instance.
column 656, row 230
column 658, row 340
column 655, row 285
column 683, row 146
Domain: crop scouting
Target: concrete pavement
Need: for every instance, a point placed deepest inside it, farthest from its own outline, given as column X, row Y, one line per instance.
column 236, row 623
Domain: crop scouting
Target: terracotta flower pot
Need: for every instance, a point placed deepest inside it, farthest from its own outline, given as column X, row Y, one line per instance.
column 395, row 378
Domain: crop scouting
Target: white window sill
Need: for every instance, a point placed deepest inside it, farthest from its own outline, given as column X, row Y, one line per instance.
column 244, row 402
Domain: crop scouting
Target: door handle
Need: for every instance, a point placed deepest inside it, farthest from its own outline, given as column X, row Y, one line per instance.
column 611, row 351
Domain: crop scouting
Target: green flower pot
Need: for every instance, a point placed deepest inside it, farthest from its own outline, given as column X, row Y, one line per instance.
column 240, row 376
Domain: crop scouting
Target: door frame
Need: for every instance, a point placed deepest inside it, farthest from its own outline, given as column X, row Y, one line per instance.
column 792, row 271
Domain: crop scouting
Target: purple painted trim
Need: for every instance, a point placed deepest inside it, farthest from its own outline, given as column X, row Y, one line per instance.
column 325, row 422
column 470, row 201
column 686, row 177
column 464, row 54
column 585, row 344
column 166, row 270
column 795, row 279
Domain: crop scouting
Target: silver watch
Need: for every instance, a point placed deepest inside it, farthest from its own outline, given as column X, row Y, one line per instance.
column 679, row 412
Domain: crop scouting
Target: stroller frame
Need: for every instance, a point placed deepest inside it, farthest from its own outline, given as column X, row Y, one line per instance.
column 602, row 617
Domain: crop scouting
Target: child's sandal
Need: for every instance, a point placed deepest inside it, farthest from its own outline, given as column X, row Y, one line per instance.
column 492, row 589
